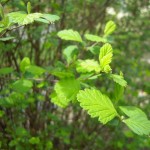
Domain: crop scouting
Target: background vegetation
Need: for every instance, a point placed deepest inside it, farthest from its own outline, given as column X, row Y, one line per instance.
column 30, row 120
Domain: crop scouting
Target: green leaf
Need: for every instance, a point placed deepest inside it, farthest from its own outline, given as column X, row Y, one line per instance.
column 34, row 140
column 138, row 121
column 95, row 38
column 22, row 18
column 67, row 87
column 69, row 35
column 59, row 100
column 6, row 38
column 118, row 92
column 24, row 64
column 132, row 111
column 88, row 65
column 69, row 52
column 62, row 74
column 97, row 105
column 5, row 71
column 65, row 91
column 51, row 18
column 35, row 70
column 105, row 57
column 42, row 20
column 22, row 85
column 118, row 79
column 5, row 24
column 29, row 7
column 139, row 125
column 1, row 11
column 109, row 28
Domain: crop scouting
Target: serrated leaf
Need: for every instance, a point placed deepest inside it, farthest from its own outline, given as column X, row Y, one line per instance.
column 70, row 35
column 24, row 64
column 22, row 85
column 69, row 52
column 132, row 111
column 139, row 125
column 6, row 70
column 118, row 79
column 97, row 105
column 87, row 65
column 109, row 28
column 22, row 18
column 95, row 38
column 105, row 57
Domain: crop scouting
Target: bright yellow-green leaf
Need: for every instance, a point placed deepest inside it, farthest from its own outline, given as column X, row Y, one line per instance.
column 97, row 105
column 70, row 35
column 88, row 65
column 118, row 79
column 105, row 57
column 109, row 28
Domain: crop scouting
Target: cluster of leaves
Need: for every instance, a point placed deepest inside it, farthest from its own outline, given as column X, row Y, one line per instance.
column 22, row 18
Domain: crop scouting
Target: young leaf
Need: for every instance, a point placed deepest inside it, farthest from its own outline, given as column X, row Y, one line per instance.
column 97, row 105
column 29, row 7
column 24, row 64
column 109, row 28
column 118, row 79
column 132, row 111
column 70, row 35
column 105, row 57
column 87, row 65
column 95, row 38
column 138, row 124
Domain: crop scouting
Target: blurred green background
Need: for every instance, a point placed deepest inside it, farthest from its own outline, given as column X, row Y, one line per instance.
column 51, row 128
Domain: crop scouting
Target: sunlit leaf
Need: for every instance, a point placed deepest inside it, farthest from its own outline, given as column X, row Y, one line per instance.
column 70, row 35
column 87, row 65
column 97, row 105
column 109, row 28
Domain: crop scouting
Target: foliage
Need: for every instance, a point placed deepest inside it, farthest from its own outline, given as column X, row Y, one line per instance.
column 61, row 79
